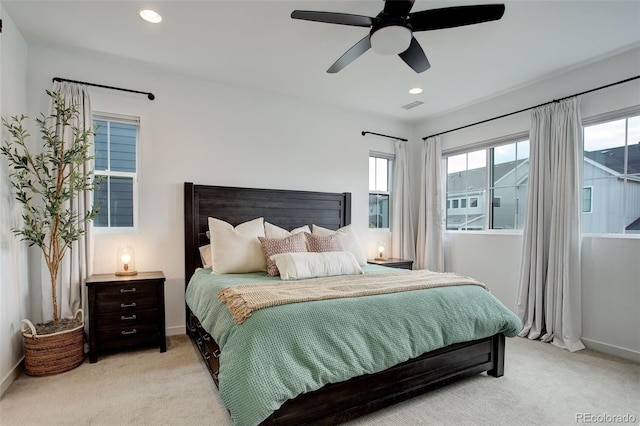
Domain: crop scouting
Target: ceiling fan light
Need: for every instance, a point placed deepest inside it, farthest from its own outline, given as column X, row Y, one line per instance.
column 391, row 40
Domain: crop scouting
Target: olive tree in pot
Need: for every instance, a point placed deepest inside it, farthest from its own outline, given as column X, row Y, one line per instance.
column 45, row 185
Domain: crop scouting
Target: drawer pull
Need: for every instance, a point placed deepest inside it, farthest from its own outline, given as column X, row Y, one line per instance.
column 132, row 317
column 128, row 305
column 128, row 290
column 125, row 332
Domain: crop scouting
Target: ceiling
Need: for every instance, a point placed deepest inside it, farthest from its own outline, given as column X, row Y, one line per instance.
column 256, row 44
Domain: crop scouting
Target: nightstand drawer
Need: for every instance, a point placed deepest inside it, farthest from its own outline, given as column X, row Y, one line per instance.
column 129, row 296
column 127, row 304
column 127, row 332
column 117, row 338
column 127, row 319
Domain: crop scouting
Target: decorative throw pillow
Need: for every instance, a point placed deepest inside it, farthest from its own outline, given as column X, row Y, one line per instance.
column 349, row 240
column 323, row 243
column 236, row 250
column 292, row 244
column 296, row 266
column 273, row 231
column 205, row 256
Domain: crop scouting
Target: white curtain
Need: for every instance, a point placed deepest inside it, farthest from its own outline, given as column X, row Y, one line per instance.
column 429, row 250
column 549, row 295
column 77, row 264
column 402, row 237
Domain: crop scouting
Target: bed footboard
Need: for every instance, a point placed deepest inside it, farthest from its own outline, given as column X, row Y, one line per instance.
column 340, row 402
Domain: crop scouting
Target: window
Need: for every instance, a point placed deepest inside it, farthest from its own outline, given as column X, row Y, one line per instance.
column 486, row 189
column 611, row 194
column 587, row 204
column 116, row 171
column 380, row 166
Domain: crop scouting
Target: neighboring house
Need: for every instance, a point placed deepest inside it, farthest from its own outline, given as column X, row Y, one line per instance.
column 604, row 188
column 467, row 200
column 604, row 173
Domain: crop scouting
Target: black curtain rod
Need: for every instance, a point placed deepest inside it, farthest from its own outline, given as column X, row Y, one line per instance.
column 150, row 95
column 537, row 106
column 386, row 136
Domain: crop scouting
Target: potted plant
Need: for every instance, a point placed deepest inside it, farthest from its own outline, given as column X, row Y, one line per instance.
column 45, row 184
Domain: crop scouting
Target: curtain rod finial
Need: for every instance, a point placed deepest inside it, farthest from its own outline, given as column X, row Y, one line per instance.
column 151, row 96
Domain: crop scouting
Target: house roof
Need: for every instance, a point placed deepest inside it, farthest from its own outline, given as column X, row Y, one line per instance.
column 475, row 180
column 613, row 158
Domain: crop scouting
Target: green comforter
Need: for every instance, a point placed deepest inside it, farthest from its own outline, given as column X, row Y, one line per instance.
column 283, row 351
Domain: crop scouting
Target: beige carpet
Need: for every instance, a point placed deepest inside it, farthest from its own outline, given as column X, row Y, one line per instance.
column 543, row 385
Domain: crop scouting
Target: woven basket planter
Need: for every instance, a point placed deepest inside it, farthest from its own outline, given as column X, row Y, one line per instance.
column 49, row 354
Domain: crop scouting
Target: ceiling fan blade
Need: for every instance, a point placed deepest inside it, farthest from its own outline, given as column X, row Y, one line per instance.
column 414, row 57
column 333, row 18
column 398, row 7
column 351, row 55
column 457, row 16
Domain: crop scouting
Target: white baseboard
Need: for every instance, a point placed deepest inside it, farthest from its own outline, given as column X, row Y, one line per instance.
column 10, row 377
column 610, row 349
column 174, row 331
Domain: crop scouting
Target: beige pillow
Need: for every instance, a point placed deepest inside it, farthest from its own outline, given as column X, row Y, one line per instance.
column 236, row 250
column 273, row 231
column 205, row 256
column 296, row 266
column 349, row 240
column 270, row 246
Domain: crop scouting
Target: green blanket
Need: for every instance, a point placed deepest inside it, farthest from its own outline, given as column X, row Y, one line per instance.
column 282, row 351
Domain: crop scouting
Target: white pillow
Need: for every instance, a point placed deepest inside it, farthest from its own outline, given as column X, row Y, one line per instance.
column 273, row 231
column 205, row 256
column 296, row 266
column 236, row 250
column 349, row 240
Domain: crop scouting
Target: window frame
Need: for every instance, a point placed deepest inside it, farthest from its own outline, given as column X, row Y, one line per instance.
column 390, row 169
column 487, row 145
column 619, row 114
column 131, row 120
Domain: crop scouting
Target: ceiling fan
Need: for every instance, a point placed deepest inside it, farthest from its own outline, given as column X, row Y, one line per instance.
column 392, row 30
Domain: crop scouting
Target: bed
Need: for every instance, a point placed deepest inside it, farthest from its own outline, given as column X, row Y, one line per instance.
column 337, row 401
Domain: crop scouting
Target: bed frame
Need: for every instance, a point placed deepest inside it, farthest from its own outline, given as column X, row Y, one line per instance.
column 338, row 402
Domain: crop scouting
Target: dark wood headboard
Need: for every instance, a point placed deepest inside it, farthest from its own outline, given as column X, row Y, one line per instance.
column 285, row 208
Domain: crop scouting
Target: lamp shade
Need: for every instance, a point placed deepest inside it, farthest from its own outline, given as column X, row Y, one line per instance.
column 126, row 261
column 391, row 40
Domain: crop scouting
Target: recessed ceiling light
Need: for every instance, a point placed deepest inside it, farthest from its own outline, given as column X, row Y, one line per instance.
column 150, row 16
column 415, row 90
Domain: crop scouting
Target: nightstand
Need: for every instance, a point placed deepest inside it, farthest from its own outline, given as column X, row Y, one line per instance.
column 392, row 263
column 126, row 311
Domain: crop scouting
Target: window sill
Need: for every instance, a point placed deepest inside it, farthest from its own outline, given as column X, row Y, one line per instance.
column 488, row 232
column 100, row 230
column 614, row 236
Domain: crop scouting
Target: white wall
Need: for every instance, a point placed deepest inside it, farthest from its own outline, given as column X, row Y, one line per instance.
column 14, row 287
column 209, row 133
column 611, row 271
